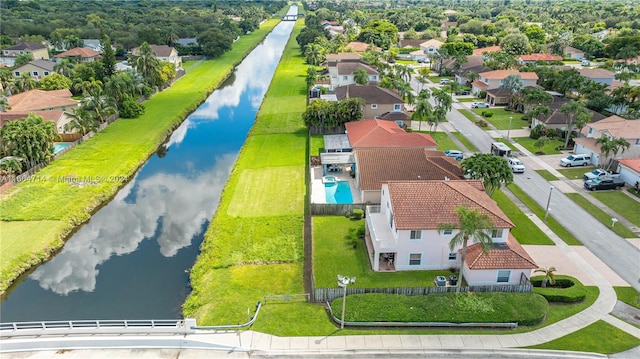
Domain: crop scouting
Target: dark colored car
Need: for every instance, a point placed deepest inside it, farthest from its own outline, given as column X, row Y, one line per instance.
column 463, row 92
column 603, row 183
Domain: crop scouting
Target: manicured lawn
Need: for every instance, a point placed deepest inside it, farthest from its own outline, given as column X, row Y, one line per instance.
column 465, row 141
column 334, row 254
column 548, row 149
column 316, row 145
column 628, row 295
column 103, row 156
column 526, row 232
column 601, row 215
column 500, row 118
column 444, row 142
column 253, row 246
column 471, row 117
column 621, row 203
column 575, row 173
column 547, row 175
column 599, row 337
column 556, row 227
column 467, row 99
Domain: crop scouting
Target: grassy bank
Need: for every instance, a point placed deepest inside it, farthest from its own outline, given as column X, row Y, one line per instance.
column 37, row 215
column 253, row 246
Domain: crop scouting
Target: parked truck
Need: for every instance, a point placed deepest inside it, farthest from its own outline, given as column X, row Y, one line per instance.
column 603, row 183
column 599, row 173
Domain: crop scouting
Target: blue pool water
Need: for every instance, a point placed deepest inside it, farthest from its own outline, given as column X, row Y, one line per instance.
column 57, row 147
column 338, row 193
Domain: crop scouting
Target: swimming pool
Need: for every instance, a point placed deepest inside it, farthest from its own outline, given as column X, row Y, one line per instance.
column 59, row 146
column 338, row 192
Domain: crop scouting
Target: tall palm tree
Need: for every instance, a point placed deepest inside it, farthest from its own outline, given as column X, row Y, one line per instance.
column 82, row 120
column 25, row 82
column 571, row 109
column 513, row 84
column 360, row 76
column 612, row 146
column 64, row 67
column 119, row 85
column 101, row 105
column 146, row 63
column 473, row 224
column 423, row 110
column 314, row 54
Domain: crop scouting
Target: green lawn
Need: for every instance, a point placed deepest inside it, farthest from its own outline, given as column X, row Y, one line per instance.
column 500, row 118
column 467, row 99
column 526, row 232
column 547, row 175
column 465, row 141
column 575, row 173
column 599, row 337
column 628, row 295
column 102, row 157
column 601, row 215
column 556, row 227
column 444, row 142
column 620, row 203
column 253, row 246
column 471, row 117
column 548, row 149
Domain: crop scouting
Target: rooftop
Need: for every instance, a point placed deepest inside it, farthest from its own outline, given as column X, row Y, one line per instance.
column 381, row 133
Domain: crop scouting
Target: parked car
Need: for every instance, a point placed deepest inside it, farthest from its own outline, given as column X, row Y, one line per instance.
column 479, row 105
column 575, row 160
column 516, row 165
column 599, row 173
column 463, row 92
column 603, row 183
column 455, row 154
column 444, row 81
column 585, row 62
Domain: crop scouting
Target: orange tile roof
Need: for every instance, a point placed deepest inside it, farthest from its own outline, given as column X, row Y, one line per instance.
column 54, row 115
column 632, row 163
column 41, row 100
column 540, row 57
column 378, row 165
column 482, row 50
column 501, row 74
column 359, row 46
column 426, row 204
column 79, row 52
column 617, row 126
column 479, row 84
column 508, row 255
column 380, row 133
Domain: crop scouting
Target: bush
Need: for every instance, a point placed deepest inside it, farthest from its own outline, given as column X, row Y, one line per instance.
column 131, row 109
column 487, row 114
column 482, row 94
column 357, row 214
column 482, row 123
column 565, row 290
column 539, row 131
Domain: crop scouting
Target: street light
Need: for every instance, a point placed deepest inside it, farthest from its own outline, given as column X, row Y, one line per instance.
column 343, row 282
column 509, row 128
column 546, row 213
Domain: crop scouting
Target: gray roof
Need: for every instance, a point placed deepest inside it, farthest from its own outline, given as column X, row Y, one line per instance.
column 370, row 94
column 188, row 41
column 43, row 64
column 348, row 68
column 337, row 158
column 26, row 45
column 336, row 142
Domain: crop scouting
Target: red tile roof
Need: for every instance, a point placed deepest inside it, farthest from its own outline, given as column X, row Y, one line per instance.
column 501, row 74
column 55, row 115
column 479, row 84
column 617, row 126
column 540, row 57
column 41, row 100
column 482, row 50
column 632, row 163
column 378, row 165
column 380, row 133
column 509, row 255
column 359, row 46
column 426, row 204
column 83, row 52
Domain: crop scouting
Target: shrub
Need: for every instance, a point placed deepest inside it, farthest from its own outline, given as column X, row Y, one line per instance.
column 539, row 131
column 131, row 109
column 488, row 114
column 565, row 290
column 482, row 94
column 482, row 123
column 357, row 214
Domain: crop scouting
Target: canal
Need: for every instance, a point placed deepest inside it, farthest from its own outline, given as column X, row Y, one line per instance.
column 132, row 259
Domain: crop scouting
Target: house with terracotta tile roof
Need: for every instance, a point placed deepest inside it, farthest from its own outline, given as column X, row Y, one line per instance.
column 383, row 134
column 376, row 166
column 38, row 69
column 493, row 79
column 612, row 127
column 37, row 52
column 536, row 58
column 402, row 232
column 39, row 100
column 379, row 103
column 629, row 169
column 342, row 73
column 357, row 46
column 489, row 49
column 59, row 117
column 80, row 54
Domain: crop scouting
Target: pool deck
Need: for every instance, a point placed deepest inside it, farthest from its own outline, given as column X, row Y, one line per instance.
column 317, row 187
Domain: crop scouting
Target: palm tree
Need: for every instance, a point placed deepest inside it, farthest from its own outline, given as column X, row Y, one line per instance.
column 513, row 84
column 64, row 67
column 472, row 76
column 82, row 120
column 571, row 109
column 314, row 54
column 360, row 76
column 549, row 276
column 25, row 82
column 423, row 110
column 119, row 86
column 473, row 224
column 609, row 146
column 101, row 105
column 404, row 72
column 146, row 63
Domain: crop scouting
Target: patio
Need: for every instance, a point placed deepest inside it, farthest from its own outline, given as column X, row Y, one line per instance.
column 317, row 186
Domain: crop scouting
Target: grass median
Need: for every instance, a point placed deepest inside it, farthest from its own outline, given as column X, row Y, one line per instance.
column 601, row 215
column 51, row 207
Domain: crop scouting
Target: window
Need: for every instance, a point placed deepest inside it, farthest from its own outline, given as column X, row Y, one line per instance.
column 35, row 73
column 447, row 232
column 374, row 78
column 496, row 233
column 415, row 235
column 637, row 141
column 397, row 107
column 503, row 276
column 46, row 73
column 374, row 106
column 16, row 73
column 415, row 259
column 453, row 256
column 345, row 77
column 591, row 130
column 391, row 219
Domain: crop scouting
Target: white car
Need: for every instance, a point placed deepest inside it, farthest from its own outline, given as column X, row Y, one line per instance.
column 444, row 81
column 516, row 165
column 479, row 105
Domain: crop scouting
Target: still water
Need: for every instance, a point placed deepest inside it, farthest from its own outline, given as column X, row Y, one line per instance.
column 131, row 260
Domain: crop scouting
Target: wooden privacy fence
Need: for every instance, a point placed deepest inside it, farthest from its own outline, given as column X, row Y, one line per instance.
column 326, row 209
column 321, row 295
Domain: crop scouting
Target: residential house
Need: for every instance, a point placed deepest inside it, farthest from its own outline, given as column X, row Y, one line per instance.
column 486, row 50
column 380, row 103
column 38, row 69
column 80, row 54
column 402, row 232
column 493, row 79
column 357, row 46
column 380, row 133
column 474, row 64
column 342, row 73
column 93, row 44
column 557, row 120
column 39, row 100
column 37, row 52
column 59, row 117
column 164, row 53
column 537, row 58
column 612, row 127
column 377, row 165
column 629, row 169
column 410, row 43
column 600, row 76
column 573, row 53
column 431, row 46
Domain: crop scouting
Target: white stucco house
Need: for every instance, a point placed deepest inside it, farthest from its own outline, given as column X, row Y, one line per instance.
column 402, row 232
column 629, row 169
column 612, row 127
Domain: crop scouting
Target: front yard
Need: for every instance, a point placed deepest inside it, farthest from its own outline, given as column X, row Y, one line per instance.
column 500, row 118
column 548, row 149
